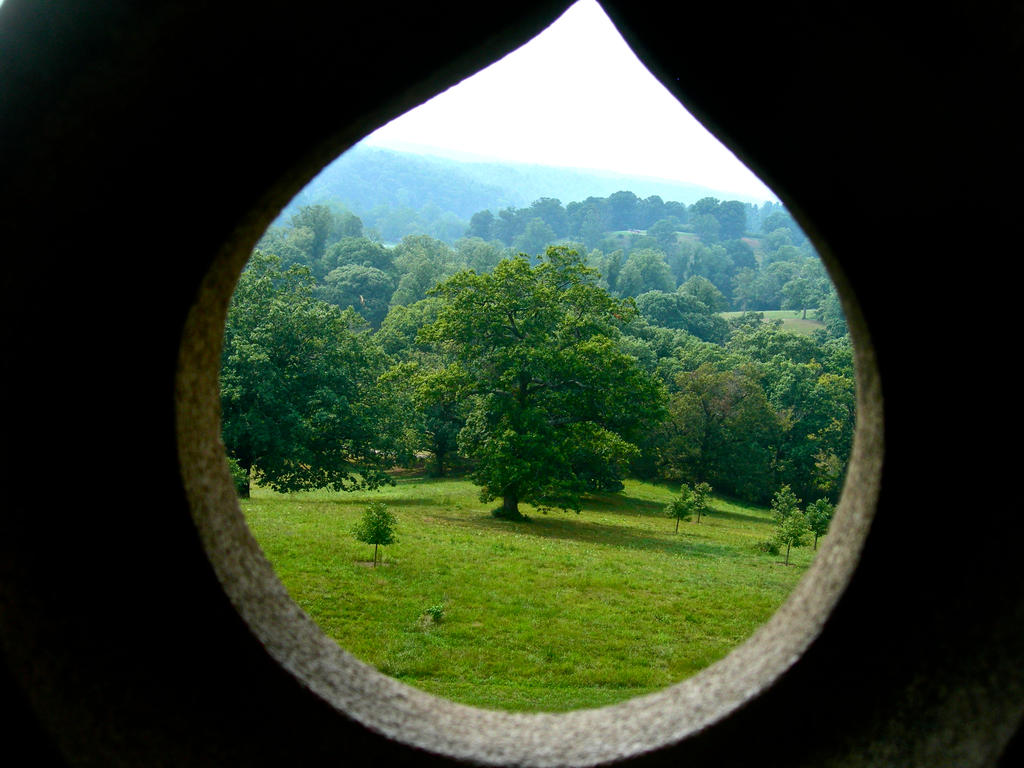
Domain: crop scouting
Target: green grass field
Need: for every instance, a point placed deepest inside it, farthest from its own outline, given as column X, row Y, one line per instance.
column 561, row 612
column 791, row 320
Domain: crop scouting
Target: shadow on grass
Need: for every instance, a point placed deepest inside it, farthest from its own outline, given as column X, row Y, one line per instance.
column 442, row 501
column 723, row 514
column 425, row 503
column 623, row 504
column 550, row 527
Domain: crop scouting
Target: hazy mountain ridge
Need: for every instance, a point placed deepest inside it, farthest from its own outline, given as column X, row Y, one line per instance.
column 368, row 177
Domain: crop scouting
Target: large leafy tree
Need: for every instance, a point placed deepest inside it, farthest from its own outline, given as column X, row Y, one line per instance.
column 360, row 251
column 425, row 386
column 554, row 402
column 422, row 262
column 720, row 427
column 732, row 217
column 429, row 398
column 645, row 270
column 681, row 310
column 623, row 209
column 299, row 405
column 535, row 237
column 481, row 225
column 799, row 294
column 319, row 220
column 816, row 415
column 366, row 289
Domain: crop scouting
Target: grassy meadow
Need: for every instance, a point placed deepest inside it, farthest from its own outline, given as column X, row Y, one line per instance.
column 561, row 612
column 791, row 319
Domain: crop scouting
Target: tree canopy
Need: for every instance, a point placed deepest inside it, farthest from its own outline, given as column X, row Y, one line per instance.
column 299, row 405
column 750, row 405
column 551, row 394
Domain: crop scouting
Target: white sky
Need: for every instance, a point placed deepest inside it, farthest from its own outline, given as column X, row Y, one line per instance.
column 576, row 95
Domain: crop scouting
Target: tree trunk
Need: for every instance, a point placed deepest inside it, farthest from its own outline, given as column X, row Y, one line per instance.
column 677, row 525
column 787, row 553
column 438, row 464
column 375, row 547
column 510, row 504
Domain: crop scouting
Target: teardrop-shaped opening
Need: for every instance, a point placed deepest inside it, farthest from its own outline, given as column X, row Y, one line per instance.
column 531, row 455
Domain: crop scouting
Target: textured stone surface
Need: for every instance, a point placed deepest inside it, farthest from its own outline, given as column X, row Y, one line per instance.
column 143, row 149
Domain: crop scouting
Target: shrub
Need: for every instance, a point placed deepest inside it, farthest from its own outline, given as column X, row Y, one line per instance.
column 768, row 546
column 238, row 476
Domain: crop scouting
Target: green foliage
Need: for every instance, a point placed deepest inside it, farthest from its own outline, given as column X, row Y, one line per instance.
column 435, row 612
column 551, row 394
column 377, row 527
column 398, row 331
column 358, row 251
column 690, row 501
column 707, row 227
column 238, row 476
column 791, row 528
column 535, row 237
column 713, row 263
column 683, row 311
column 312, row 230
column 768, row 547
column 299, row 405
column 704, row 291
column 664, row 231
column 784, row 504
column 819, row 518
column 792, row 531
column 720, row 427
column 732, row 218
column 422, row 262
column 318, row 219
column 366, row 289
column 429, row 396
column 753, row 405
column 702, row 497
column 681, row 507
column 480, row 255
column 831, row 313
column 644, row 270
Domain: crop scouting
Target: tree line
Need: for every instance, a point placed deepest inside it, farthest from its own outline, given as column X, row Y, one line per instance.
column 539, row 375
column 396, row 194
column 757, row 258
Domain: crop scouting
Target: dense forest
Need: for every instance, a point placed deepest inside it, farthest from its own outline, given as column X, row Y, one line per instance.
column 401, row 193
column 548, row 351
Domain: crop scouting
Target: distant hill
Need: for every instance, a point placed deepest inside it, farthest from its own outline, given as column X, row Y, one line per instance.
column 368, row 177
